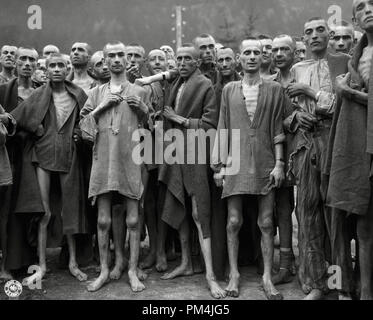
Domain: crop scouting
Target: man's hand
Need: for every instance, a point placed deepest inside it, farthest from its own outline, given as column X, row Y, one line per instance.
column 110, row 100
column 219, row 178
column 296, row 89
column 277, row 176
column 39, row 131
column 136, row 103
column 134, row 72
column 77, row 135
column 170, row 114
column 143, row 81
column 342, row 84
column 305, row 120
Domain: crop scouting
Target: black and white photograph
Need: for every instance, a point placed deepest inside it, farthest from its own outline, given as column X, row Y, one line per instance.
column 200, row 152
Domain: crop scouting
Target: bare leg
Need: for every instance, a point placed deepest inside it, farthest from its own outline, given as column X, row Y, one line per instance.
column 119, row 238
column 4, row 274
column 73, row 265
column 285, row 206
column 161, row 257
column 4, row 201
column 186, row 267
column 44, row 185
column 365, row 236
column 133, row 227
column 233, row 227
column 216, row 291
column 150, row 216
column 265, row 222
column 103, row 228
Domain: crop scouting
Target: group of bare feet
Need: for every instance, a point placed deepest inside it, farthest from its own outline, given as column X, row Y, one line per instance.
column 135, row 278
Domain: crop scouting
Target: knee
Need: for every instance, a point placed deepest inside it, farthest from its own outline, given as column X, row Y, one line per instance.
column 104, row 223
column 132, row 222
column 234, row 224
column 266, row 225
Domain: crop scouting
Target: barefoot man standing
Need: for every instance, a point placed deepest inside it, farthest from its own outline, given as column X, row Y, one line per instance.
column 111, row 114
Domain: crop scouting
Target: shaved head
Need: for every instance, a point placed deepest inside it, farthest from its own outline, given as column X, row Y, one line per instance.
column 249, row 43
column 157, row 51
column 49, row 49
column 224, row 51
column 190, row 49
column 97, row 56
column 284, row 38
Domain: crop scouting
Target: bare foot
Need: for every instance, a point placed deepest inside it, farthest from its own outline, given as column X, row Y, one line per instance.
column 283, row 276
column 5, row 275
column 270, row 291
column 98, row 283
column 148, row 262
column 232, row 288
column 216, row 291
column 182, row 270
column 142, row 275
column 117, row 271
column 344, row 296
column 315, row 294
column 135, row 283
column 34, row 278
column 161, row 265
column 77, row 273
column 366, row 294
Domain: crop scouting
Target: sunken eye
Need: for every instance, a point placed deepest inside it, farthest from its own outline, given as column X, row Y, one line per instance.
column 203, row 47
column 98, row 65
column 320, row 29
column 360, row 7
column 275, row 50
column 110, row 55
column 220, row 60
column 211, row 46
column 308, row 32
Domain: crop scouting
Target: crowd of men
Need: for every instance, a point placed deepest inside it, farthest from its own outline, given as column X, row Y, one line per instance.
column 69, row 125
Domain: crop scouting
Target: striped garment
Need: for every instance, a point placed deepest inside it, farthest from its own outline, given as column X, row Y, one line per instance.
column 251, row 98
column 64, row 105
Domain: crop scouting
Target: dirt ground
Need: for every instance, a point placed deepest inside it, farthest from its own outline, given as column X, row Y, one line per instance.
column 59, row 285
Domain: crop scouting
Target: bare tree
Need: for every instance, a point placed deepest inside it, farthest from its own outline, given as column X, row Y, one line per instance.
column 226, row 34
column 249, row 27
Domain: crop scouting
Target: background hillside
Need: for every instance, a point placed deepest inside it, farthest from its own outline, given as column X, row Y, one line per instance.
column 149, row 21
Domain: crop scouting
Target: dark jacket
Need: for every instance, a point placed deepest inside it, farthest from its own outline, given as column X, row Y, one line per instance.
column 198, row 103
column 29, row 115
column 350, row 146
